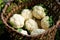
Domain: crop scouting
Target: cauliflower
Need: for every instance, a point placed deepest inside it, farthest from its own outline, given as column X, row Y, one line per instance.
column 37, row 32
column 17, row 20
column 26, row 13
column 22, row 31
column 31, row 25
column 45, row 22
column 38, row 12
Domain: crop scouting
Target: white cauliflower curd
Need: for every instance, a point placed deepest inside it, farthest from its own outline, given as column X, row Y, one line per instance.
column 26, row 13
column 37, row 32
column 23, row 31
column 31, row 25
column 38, row 12
column 45, row 22
column 17, row 20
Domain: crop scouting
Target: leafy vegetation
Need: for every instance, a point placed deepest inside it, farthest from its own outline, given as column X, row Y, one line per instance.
column 10, row 7
column 51, row 22
column 22, row 0
column 1, row 23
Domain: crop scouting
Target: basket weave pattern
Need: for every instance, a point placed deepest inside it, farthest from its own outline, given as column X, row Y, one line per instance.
column 48, row 35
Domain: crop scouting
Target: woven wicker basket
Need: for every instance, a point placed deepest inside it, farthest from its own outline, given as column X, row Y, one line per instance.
column 54, row 10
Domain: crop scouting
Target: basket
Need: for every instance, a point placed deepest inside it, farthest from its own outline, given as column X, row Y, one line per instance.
column 48, row 35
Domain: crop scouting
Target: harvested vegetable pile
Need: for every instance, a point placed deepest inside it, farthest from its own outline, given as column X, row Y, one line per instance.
column 25, row 22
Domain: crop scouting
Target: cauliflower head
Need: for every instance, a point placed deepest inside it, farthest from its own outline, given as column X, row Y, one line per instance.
column 37, row 32
column 31, row 25
column 26, row 13
column 38, row 12
column 45, row 22
column 17, row 20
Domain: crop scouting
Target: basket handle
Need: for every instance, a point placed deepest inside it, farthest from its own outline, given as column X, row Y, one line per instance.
column 58, row 2
column 7, row 4
column 5, row 8
column 58, row 23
